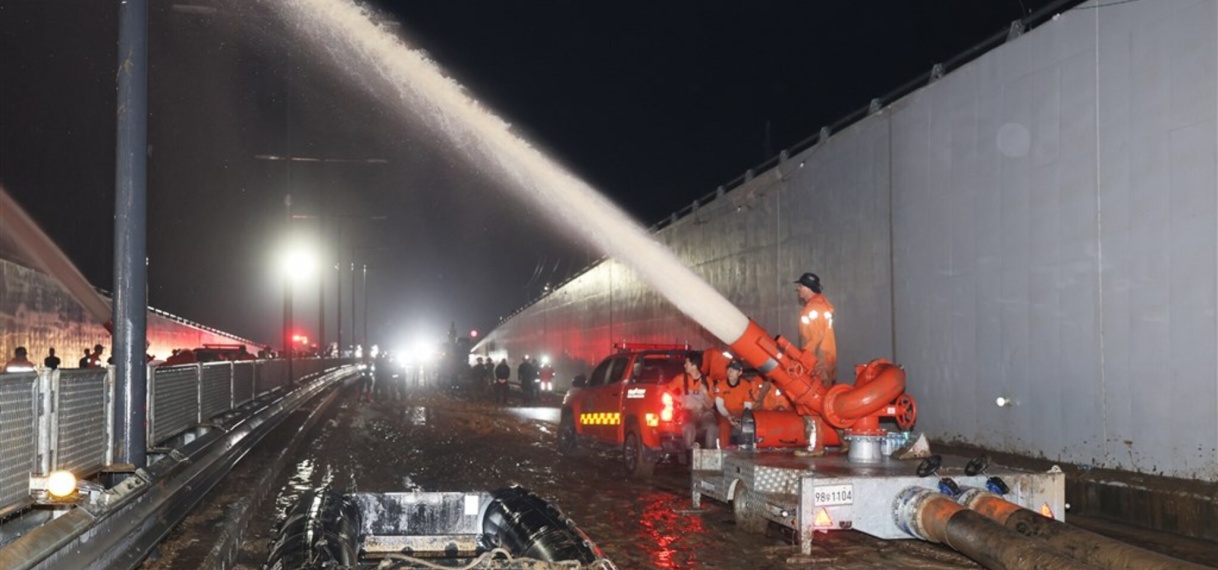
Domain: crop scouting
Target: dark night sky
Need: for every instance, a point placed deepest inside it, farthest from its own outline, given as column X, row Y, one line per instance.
column 655, row 103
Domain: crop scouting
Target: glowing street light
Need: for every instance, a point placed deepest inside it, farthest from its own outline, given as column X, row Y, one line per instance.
column 298, row 263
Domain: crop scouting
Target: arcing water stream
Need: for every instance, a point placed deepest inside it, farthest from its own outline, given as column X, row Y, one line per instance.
column 418, row 88
column 34, row 245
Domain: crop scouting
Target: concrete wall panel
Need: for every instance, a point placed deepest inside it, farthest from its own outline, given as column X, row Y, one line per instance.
column 37, row 314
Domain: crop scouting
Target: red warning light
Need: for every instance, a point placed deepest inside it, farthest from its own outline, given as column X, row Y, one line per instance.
column 473, row 333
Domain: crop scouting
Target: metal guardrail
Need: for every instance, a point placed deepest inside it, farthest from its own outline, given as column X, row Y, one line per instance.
column 18, row 438
column 63, row 419
column 116, row 527
column 83, row 434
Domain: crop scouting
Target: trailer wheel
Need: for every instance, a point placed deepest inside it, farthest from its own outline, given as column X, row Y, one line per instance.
column 637, row 464
column 568, row 439
column 746, row 508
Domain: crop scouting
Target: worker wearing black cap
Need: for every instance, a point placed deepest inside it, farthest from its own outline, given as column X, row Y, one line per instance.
column 734, row 395
column 816, row 327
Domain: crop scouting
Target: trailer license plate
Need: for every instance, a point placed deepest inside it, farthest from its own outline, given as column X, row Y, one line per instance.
column 828, row 495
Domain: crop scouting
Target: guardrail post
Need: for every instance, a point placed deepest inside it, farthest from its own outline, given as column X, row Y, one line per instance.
column 198, row 393
column 44, row 423
column 150, row 425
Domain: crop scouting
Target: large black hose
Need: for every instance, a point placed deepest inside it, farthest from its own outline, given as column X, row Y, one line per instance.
column 528, row 526
column 934, row 517
column 1071, row 540
column 320, row 531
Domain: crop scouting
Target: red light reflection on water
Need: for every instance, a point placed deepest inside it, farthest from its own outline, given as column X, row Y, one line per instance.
column 669, row 537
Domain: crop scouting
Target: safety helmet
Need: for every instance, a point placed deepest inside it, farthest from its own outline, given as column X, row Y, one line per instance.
column 810, row 280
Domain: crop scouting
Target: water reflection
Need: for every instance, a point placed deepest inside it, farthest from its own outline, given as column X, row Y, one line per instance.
column 669, row 538
column 417, row 415
column 301, row 481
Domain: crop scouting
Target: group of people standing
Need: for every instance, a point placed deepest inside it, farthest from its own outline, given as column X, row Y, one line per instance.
column 20, row 362
column 496, row 376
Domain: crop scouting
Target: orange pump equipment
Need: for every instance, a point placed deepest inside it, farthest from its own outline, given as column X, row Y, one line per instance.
column 878, row 390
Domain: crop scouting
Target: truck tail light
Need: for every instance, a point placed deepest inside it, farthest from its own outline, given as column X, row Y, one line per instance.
column 1046, row 511
column 666, row 412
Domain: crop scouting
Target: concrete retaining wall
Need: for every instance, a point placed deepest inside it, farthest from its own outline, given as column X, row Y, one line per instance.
column 37, row 314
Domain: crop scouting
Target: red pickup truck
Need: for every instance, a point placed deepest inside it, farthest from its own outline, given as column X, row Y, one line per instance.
column 629, row 402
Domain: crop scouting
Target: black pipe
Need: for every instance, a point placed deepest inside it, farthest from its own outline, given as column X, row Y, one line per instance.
column 935, row 517
column 528, row 526
column 1071, row 540
column 320, row 531
column 993, row 546
column 130, row 325
column 1091, row 547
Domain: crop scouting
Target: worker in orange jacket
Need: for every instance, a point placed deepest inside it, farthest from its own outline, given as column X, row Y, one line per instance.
column 816, row 327
column 733, row 395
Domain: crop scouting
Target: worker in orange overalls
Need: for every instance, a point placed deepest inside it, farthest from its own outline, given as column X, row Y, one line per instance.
column 733, row 395
column 816, row 327
column 697, row 403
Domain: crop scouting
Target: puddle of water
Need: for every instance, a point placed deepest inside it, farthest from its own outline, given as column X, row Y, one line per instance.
column 417, row 415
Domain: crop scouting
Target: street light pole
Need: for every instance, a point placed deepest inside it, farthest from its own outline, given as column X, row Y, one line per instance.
column 321, row 314
column 130, row 238
column 287, row 298
column 353, row 305
column 366, row 344
column 338, row 300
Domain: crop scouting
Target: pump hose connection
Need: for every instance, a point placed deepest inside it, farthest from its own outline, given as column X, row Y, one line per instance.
column 320, row 531
column 531, row 527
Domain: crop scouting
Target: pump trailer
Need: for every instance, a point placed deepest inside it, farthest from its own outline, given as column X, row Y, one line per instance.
column 819, row 494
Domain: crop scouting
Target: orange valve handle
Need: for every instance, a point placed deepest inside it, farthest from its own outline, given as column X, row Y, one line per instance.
column 906, row 411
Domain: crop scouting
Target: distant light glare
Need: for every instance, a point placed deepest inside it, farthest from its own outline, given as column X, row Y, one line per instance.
column 298, row 263
column 424, row 352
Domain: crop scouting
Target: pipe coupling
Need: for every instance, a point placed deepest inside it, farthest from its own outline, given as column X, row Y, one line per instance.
column 907, row 510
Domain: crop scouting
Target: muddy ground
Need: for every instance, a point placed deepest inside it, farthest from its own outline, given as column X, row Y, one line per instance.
column 428, row 440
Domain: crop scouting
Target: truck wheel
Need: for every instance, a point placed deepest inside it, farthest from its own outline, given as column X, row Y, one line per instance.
column 746, row 508
column 568, row 440
column 637, row 464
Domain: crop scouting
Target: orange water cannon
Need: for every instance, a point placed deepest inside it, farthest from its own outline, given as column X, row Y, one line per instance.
column 878, row 391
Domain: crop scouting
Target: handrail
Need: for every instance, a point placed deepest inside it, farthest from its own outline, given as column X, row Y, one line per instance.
column 116, row 527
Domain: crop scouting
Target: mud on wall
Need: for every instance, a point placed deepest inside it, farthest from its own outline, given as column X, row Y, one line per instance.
column 1040, row 225
column 37, row 314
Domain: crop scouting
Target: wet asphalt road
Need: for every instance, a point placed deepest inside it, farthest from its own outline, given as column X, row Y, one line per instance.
column 409, row 439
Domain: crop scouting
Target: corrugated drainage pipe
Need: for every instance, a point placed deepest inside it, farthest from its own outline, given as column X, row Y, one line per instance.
column 935, row 517
column 1076, row 542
